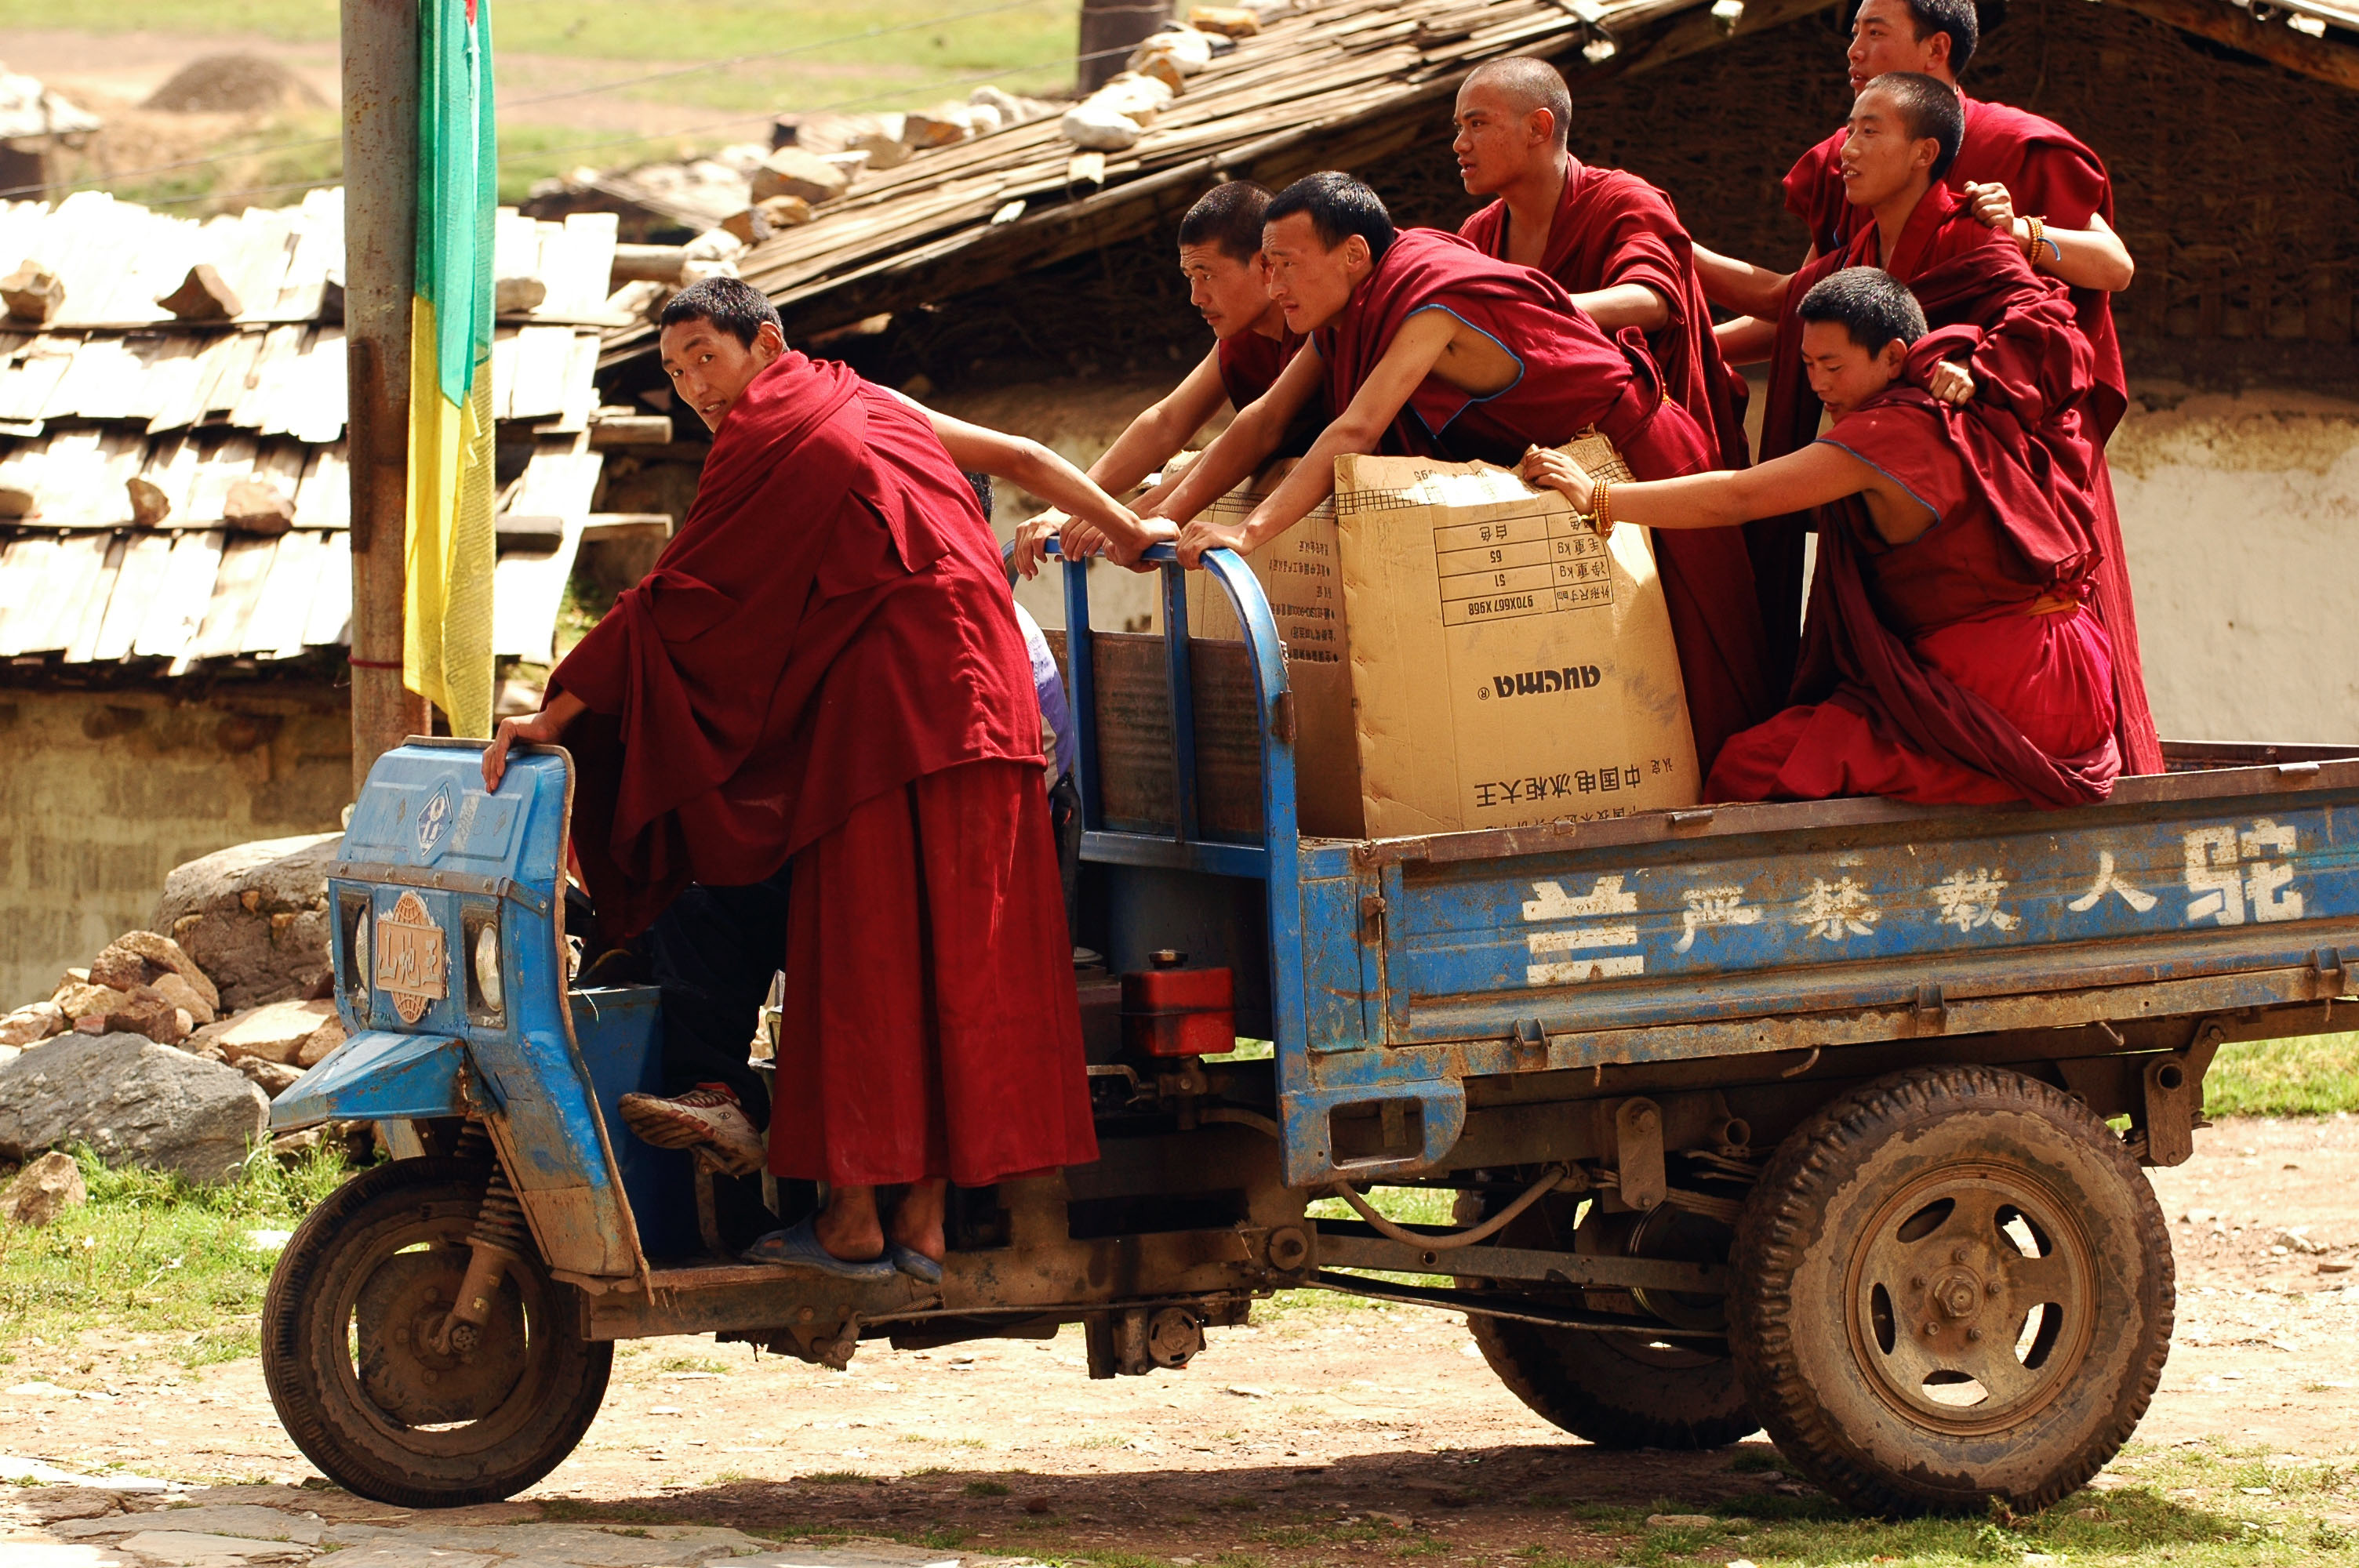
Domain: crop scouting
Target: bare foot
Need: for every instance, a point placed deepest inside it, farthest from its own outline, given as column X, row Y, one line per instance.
column 917, row 1222
column 848, row 1227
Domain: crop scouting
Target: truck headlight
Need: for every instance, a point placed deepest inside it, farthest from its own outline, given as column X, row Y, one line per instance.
column 487, row 968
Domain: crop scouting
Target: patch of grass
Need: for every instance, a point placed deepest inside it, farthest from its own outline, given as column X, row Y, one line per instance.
column 692, row 1363
column 815, row 55
column 837, row 1478
column 151, row 1253
column 984, row 1489
column 2316, row 1075
column 582, row 1511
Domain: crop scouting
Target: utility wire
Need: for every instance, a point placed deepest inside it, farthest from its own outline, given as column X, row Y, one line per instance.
column 722, row 64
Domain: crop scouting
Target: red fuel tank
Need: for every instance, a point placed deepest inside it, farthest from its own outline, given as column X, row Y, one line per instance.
column 1169, row 1010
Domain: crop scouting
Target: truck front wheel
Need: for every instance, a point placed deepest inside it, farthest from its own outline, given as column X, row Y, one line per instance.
column 1954, row 1285
column 367, row 1389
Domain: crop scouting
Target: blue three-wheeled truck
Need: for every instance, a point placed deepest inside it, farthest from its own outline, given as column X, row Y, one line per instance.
column 1825, row 1119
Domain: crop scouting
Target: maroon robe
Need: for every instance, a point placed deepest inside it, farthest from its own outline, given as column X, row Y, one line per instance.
column 1573, row 376
column 1249, row 365
column 2052, row 175
column 829, row 631
column 1963, row 667
column 1611, row 228
column 1250, row 362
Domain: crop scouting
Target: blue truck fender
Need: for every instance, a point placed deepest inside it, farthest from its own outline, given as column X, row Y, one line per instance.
column 378, row 1076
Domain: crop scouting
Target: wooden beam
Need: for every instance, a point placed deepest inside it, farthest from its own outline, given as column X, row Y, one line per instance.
column 2327, row 60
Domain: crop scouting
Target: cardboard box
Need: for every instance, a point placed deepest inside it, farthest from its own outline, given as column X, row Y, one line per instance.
column 1301, row 573
column 1510, row 666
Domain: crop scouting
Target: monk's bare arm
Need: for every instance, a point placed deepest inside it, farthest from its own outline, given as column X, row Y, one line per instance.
column 1240, row 450
column 1814, row 476
column 1735, row 284
column 1624, row 305
column 1408, row 359
column 1747, row 340
column 1024, row 461
column 1158, row 433
column 2094, row 257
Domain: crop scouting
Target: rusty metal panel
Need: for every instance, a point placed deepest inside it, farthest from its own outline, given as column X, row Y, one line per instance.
column 1134, row 736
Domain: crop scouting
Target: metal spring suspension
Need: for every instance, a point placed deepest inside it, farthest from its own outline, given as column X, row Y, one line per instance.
column 474, row 1142
column 499, row 1218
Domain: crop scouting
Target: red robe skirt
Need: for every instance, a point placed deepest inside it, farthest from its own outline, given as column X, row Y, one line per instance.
column 933, row 1028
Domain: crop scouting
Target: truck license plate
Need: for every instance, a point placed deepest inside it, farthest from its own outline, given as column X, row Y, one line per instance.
column 412, row 958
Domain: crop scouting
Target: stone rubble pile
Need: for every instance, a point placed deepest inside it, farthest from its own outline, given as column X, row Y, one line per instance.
column 166, row 1049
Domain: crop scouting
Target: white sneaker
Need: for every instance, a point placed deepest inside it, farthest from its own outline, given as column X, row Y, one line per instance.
column 707, row 1120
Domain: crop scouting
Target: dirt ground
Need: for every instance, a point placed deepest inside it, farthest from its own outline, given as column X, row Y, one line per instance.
column 1378, row 1417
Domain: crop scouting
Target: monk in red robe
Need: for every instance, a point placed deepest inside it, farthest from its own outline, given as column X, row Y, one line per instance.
column 1616, row 244
column 2032, row 181
column 824, row 667
column 1613, row 241
column 1429, row 349
column 1228, row 283
column 1953, row 658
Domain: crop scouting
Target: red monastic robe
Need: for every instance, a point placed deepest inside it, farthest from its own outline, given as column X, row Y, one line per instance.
column 2052, row 175
column 1250, row 362
column 826, row 642
column 1611, row 228
column 1573, row 376
column 1962, row 668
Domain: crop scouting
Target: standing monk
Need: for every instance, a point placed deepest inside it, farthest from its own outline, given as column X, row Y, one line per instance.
column 1952, row 656
column 823, row 668
column 2032, row 182
column 1616, row 244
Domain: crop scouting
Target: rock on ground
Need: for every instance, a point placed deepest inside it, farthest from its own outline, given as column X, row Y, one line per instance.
column 295, row 1032
column 133, row 1102
column 139, row 958
column 34, row 1023
column 255, row 918
column 43, row 1190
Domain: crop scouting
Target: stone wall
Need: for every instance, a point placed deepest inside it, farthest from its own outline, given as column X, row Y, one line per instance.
column 102, row 793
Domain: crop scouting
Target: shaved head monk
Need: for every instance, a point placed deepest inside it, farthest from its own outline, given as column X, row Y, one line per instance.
column 2035, row 183
column 1954, row 657
column 823, row 668
column 1424, row 346
column 1228, row 283
column 1617, row 246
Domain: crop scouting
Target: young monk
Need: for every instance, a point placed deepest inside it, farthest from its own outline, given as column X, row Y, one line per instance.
column 2033, row 182
column 1616, row 244
column 1228, row 283
column 1953, row 658
column 1431, row 349
column 824, row 667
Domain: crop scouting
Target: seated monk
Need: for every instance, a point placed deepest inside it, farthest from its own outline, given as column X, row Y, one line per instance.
column 1617, row 246
column 823, row 668
column 1428, row 348
column 1954, row 657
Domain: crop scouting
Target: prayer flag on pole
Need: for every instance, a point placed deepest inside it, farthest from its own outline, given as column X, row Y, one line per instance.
column 447, row 651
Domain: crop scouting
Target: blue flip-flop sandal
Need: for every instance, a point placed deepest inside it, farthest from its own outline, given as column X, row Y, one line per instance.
column 798, row 1246
column 914, row 1263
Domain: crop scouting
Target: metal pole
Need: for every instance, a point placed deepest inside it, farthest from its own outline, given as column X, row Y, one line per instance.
column 380, row 116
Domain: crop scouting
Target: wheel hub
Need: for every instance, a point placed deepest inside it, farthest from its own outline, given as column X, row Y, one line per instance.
column 406, row 1371
column 1972, row 1298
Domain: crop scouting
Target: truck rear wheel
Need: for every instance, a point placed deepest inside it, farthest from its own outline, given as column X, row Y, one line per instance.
column 348, row 1352
column 1620, row 1390
column 1955, row 1286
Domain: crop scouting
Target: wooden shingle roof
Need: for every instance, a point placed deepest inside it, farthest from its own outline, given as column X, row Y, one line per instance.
column 113, row 389
column 1340, row 83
